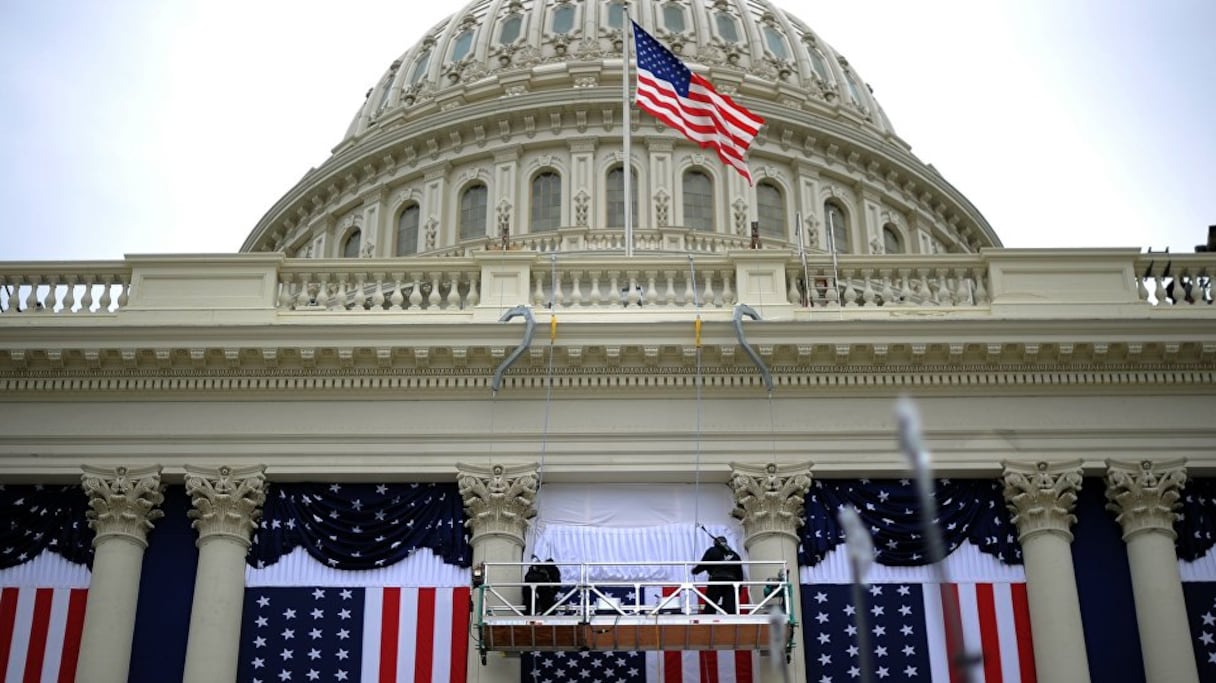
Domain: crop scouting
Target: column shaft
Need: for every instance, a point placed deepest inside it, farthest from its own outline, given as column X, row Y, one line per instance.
column 124, row 502
column 227, row 503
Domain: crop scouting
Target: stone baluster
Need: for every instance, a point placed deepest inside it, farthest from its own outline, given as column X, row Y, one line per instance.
column 690, row 294
column 227, row 504
column 378, row 294
column 728, row 292
column 1042, row 498
column 652, row 292
column 397, row 298
column 498, row 501
column 576, row 289
column 538, row 293
column 415, row 293
column 596, row 296
column 792, row 295
column 473, row 298
column 124, row 503
column 669, row 296
column 86, row 300
column 432, row 301
column 124, row 294
column 1144, row 497
column 769, row 501
column 850, row 292
column 69, row 294
column 453, row 291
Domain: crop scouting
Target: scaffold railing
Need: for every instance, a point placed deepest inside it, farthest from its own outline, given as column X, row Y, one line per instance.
column 625, row 606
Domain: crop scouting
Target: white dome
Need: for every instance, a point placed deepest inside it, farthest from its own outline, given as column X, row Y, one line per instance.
column 504, row 90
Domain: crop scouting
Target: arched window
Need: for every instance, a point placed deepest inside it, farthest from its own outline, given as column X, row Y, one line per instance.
column 854, row 91
column 462, row 45
column 563, row 19
column 838, row 228
column 420, row 67
column 817, row 63
column 546, row 202
column 775, row 42
column 473, row 212
column 616, row 196
column 892, row 243
column 770, row 209
column 350, row 248
column 509, row 32
column 728, row 30
column 616, row 14
column 673, row 18
column 407, row 231
column 698, row 200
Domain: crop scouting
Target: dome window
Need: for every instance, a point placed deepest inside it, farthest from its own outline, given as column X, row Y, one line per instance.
column 698, row 201
column 838, row 228
column 892, row 243
column 563, row 19
column 407, row 231
column 350, row 248
column 817, row 63
column 776, row 43
column 462, row 45
column 420, row 67
column 616, row 196
column 616, row 14
column 546, row 202
column 770, row 209
column 728, row 30
column 473, row 212
column 673, row 18
column 854, row 91
column 509, row 32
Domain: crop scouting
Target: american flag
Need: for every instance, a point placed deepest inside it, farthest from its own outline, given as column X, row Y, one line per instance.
column 907, row 634
column 690, row 104
column 381, row 635
column 1201, row 613
column 706, row 666
column 40, row 631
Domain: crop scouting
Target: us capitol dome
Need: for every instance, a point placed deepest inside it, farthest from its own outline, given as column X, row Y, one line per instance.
column 507, row 118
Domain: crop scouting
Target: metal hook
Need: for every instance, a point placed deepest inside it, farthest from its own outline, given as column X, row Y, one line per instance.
column 519, row 350
column 740, row 311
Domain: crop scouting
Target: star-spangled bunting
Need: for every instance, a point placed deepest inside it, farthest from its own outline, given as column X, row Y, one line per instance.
column 362, row 526
column 968, row 510
column 1201, row 614
column 34, row 518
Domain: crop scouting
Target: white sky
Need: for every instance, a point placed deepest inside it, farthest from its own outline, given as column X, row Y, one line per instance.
column 171, row 126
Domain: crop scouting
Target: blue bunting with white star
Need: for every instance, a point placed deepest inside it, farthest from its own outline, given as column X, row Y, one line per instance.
column 968, row 510
column 362, row 526
column 36, row 518
column 1196, row 523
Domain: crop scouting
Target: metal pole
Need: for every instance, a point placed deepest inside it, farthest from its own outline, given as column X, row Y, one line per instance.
column 625, row 122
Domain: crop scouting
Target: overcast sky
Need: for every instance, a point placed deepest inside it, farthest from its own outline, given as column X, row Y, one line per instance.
column 171, row 126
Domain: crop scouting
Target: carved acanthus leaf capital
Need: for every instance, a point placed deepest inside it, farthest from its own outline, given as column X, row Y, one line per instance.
column 498, row 499
column 1144, row 495
column 124, row 501
column 227, row 500
column 1042, row 496
column 769, row 499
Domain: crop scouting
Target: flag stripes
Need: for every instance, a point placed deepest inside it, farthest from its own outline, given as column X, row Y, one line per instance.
column 995, row 620
column 40, row 631
column 669, row 91
column 423, row 635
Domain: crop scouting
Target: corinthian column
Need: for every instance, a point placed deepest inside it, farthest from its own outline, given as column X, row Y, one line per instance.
column 1042, row 498
column 124, row 503
column 227, row 503
column 1143, row 497
column 498, row 501
column 769, row 501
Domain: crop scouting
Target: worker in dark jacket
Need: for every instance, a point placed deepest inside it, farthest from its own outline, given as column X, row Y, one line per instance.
column 548, row 576
column 720, row 591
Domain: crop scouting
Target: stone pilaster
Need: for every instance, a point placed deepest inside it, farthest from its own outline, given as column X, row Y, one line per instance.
column 124, row 504
column 1042, row 498
column 498, row 500
column 227, row 504
column 769, row 502
column 1144, row 497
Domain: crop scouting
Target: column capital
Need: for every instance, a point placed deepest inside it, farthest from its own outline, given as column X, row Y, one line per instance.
column 124, row 501
column 499, row 499
column 227, row 501
column 769, row 498
column 1144, row 495
column 1042, row 496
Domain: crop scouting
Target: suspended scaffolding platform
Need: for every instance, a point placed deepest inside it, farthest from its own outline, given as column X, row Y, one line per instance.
column 590, row 613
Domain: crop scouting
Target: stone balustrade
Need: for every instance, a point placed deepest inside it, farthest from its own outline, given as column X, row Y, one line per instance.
column 997, row 282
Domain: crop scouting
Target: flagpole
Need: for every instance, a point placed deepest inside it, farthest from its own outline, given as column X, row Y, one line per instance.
column 626, row 31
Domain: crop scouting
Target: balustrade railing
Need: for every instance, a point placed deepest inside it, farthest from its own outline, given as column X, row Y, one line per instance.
column 64, row 288
column 577, row 240
column 944, row 280
column 419, row 284
column 669, row 283
column 1175, row 279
